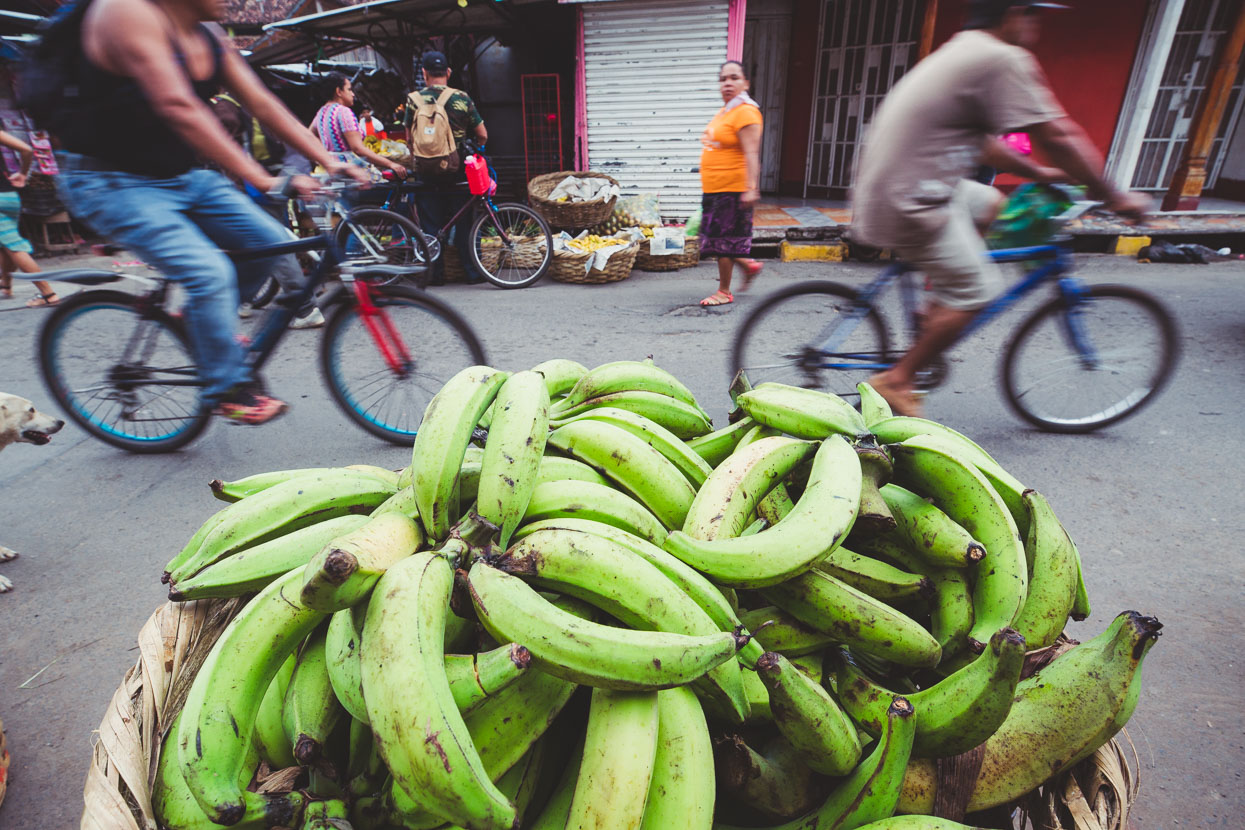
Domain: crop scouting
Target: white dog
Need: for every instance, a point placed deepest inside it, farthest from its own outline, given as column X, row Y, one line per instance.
column 21, row 423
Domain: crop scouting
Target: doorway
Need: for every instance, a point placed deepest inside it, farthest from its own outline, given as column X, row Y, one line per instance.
column 766, row 43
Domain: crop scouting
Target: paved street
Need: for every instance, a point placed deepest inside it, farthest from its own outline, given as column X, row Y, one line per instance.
column 1154, row 503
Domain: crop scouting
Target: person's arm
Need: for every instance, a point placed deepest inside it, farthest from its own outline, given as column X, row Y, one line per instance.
column 354, row 140
column 750, row 141
column 24, row 150
column 481, row 134
column 1066, row 143
column 998, row 155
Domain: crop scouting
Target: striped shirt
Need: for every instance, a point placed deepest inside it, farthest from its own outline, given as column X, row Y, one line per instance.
column 332, row 123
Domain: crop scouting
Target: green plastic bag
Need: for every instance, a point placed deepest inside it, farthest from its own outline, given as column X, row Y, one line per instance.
column 1027, row 217
column 693, row 223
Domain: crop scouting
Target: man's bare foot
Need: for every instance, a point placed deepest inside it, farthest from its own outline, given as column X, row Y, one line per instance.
column 902, row 401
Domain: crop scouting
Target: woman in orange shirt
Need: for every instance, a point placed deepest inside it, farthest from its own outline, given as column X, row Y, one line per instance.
column 730, row 167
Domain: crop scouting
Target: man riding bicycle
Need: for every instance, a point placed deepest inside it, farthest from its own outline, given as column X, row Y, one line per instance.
column 130, row 170
column 939, row 122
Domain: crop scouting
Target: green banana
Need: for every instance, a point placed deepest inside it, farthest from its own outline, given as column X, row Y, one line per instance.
column 802, row 413
column 270, row 739
column 560, row 375
column 250, row 570
column 808, row 717
column 557, row 808
column 513, row 451
column 474, row 677
column 955, row 714
column 715, row 446
column 872, row 791
column 282, row 509
column 951, row 612
column 685, row 420
column 626, row 376
column 384, row 474
column 220, row 709
column 1080, row 604
column 403, row 501
column 694, row 468
column 560, row 468
column 441, row 444
column 175, row 805
column 1061, row 715
column 758, row 698
column 597, row 502
column 776, row 630
column 964, row 494
column 342, row 642
column 900, row 428
column 853, row 617
column 681, row 791
column 1053, row 575
column 232, row 491
column 877, row 468
column 587, row 652
column 632, row 463
column 930, row 533
column 507, row 723
column 192, row 546
column 713, row 600
column 873, row 407
column 620, row 751
column 346, row 570
column 874, row 577
column 730, row 495
column 822, row 517
column 775, row 781
column 916, row 823
column 330, row 814
column 422, row 736
column 310, row 711
column 620, row 582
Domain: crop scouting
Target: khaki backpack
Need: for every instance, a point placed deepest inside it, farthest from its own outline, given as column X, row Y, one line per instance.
column 432, row 138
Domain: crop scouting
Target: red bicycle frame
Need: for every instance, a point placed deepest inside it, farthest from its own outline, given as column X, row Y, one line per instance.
column 378, row 324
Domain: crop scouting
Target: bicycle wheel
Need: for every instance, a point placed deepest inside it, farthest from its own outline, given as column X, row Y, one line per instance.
column 389, row 402
column 1079, row 367
column 264, row 295
column 522, row 256
column 126, row 377
column 815, row 335
column 382, row 236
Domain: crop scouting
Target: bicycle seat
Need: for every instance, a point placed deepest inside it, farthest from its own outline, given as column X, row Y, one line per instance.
column 78, row 276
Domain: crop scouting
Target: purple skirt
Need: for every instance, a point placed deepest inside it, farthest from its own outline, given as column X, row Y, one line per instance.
column 726, row 226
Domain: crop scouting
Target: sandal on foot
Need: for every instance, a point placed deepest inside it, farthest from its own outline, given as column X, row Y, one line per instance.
column 902, row 401
column 43, row 301
column 244, row 407
column 718, row 297
column 6, row 286
column 750, row 273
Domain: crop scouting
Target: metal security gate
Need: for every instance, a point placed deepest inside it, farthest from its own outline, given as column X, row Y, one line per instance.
column 652, row 86
column 865, row 47
column 1203, row 23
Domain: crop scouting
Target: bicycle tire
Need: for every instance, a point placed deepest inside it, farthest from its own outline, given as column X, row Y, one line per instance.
column 267, row 291
column 408, row 248
column 440, row 343
column 136, row 425
column 526, row 260
column 1101, row 314
column 779, row 339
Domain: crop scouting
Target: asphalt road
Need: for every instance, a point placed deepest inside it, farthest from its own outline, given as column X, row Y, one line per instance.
column 1154, row 503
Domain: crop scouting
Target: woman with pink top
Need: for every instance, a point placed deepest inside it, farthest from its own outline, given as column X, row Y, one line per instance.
column 338, row 128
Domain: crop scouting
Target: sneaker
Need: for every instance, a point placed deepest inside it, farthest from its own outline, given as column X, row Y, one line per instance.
column 243, row 407
column 245, row 310
column 311, row 320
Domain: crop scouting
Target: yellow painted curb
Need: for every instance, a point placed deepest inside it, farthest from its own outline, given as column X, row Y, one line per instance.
column 812, row 252
column 1130, row 245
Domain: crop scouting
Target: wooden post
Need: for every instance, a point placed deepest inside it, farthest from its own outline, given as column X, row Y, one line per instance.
column 926, row 44
column 1190, row 176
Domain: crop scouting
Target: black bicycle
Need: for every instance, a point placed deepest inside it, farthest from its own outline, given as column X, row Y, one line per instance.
column 122, row 366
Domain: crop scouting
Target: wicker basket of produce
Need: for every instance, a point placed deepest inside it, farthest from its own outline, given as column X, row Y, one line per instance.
column 525, row 252
column 572, row 266
column 454, row 270
column 569, row 214
column 690, row 257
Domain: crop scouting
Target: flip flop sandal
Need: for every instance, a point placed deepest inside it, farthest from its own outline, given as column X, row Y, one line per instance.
column 717, row 298
column 43, row 301
column 750, row 274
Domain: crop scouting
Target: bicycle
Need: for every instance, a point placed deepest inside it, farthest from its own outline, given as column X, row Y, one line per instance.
column 1089, row 357
column 511, row 244
column 385, row 350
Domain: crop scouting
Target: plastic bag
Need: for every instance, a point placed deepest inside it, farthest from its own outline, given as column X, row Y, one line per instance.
column 693, row 223
column 641, row 210
column 1027, row 217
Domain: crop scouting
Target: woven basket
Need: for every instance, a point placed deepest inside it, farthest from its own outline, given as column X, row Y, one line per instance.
column 569, row 214
column 454, row 270
column 530, row 254
column 568, row 266
column 690, row 257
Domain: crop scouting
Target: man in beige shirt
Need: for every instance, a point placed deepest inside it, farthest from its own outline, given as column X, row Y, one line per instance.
column 912, row 192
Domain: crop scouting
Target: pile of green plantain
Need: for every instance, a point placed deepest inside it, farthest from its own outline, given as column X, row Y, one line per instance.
column 582, row 607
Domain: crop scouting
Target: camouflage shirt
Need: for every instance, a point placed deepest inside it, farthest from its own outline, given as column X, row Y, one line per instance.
column 461, row 109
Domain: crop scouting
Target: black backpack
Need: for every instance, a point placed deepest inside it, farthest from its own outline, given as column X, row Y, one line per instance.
column 48, row 80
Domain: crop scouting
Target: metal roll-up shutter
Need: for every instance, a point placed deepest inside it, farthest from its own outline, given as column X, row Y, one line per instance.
column 652, row 86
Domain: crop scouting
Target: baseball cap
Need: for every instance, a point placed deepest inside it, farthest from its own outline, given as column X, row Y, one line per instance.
column 983, row 14
column 434, row 62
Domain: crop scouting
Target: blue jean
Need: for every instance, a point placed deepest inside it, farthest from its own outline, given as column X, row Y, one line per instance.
column 179, row 227
column 436, row 207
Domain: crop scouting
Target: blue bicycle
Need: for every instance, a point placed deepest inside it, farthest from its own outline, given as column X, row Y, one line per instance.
column 1090, row 356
